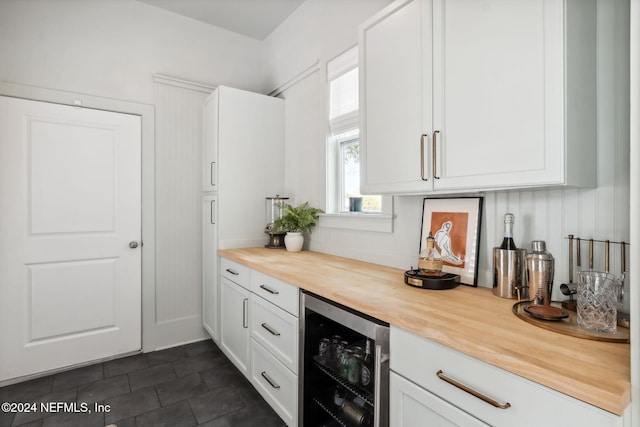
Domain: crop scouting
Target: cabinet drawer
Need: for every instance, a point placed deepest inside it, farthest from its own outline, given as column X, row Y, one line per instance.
column 276, row 291
column 412, row 406
column 235, row 272
column 276, row 330
column 277, row 384
column 530, row 404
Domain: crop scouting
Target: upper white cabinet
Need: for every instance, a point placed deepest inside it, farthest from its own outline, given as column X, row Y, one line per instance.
column 210, row 146
column 477, row 95
column 243, row 161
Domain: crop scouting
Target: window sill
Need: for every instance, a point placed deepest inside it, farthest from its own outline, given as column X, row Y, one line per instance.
column 357, row 221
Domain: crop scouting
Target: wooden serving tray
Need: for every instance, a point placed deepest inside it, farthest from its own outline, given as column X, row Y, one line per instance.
column 569, row 325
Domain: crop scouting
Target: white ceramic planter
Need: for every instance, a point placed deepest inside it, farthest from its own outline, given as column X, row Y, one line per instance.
column 293, row 241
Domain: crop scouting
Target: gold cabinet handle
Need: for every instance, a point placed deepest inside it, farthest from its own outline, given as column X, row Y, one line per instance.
column 433, row 160
column 480, row 396
column 271, row 382
column 270, row 329
column 422, row 157
column 268, row 289
column 245, row 313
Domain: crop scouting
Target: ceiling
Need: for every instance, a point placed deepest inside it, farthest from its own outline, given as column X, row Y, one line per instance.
column 253, row 18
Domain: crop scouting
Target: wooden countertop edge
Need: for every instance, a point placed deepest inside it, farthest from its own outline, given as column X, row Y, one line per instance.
column 615, row 398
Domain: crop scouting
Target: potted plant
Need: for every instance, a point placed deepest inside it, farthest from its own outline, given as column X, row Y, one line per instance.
column 296, row 220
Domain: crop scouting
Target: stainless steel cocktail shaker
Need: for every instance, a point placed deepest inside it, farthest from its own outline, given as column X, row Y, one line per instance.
column 540, row 269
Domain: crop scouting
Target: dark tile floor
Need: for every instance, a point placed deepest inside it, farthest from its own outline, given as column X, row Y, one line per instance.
column 190, row 385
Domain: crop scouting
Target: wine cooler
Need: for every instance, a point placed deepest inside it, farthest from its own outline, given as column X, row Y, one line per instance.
column 344, row 359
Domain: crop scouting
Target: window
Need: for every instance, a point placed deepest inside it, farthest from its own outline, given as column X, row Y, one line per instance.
column 344, row 141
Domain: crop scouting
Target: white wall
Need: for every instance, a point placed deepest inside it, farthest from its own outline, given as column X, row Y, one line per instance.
column 320, row 30
column 112, row 48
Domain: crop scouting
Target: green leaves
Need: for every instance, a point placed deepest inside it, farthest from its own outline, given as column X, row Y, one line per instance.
column 299, row 218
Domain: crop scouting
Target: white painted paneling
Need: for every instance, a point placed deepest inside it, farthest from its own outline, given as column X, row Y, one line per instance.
column 178, row 213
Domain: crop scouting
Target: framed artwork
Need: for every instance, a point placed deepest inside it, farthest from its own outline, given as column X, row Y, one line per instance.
column 454, row 223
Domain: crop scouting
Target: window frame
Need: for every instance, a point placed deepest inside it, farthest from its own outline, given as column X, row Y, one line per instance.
column 335, row 216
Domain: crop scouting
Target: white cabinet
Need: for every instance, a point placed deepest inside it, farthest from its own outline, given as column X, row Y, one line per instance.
column 243, row 162
column 413, row 406
column 259, row 333
column 210, row 266
column 210, row 146
column 276, row 330
column 277, row 292
column 244, row 159
column 502, row 398
column 275, row 383
column 476, row 95
column 234, row 324
column 275, row 337
column 395, row 94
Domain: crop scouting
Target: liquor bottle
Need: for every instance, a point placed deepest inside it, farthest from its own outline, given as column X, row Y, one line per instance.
column 430, row 262
column 507, row 241
column 367, row 366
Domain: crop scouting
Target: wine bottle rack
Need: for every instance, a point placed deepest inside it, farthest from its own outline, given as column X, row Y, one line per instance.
column 353, row 388
column 332, row 412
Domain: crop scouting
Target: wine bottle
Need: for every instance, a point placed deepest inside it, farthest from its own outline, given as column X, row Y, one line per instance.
column 507, row 241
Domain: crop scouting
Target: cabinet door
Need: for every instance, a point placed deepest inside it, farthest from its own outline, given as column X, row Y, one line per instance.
column 498, row 93
column 209, row 266
column 234, row 324
column 413, row 406
column 210, row 143
column 250, row 163
column 395, row 99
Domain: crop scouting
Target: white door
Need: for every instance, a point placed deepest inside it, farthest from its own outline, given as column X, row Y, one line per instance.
column 70, row 284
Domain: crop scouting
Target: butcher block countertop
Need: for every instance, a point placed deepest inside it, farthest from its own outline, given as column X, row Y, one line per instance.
column 470, row 320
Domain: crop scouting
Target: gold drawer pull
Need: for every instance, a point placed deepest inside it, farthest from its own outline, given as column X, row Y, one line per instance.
column 268, row 289
column 471, row 391
column 271, row 330
column 271, row 382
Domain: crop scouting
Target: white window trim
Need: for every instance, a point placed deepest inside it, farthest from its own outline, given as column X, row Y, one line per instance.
column 358, row 221
column 379, row 222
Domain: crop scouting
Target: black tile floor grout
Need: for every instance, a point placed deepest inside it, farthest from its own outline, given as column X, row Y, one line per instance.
column 189, row 385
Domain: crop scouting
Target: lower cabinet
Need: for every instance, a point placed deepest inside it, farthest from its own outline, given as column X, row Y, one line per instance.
column 276, row 383
column 413, row 406
column 259, row 333
column 432, row 382
column 234, row 323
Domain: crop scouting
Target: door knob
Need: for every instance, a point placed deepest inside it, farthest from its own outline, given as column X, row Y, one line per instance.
column 133, row 244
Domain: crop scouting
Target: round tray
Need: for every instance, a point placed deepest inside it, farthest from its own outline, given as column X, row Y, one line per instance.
column 569, row 325
column 445, row 281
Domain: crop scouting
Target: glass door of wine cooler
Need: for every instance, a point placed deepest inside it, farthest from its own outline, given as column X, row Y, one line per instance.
column 345, row 366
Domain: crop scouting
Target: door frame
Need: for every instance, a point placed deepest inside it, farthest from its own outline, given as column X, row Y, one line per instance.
column 147, row 114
